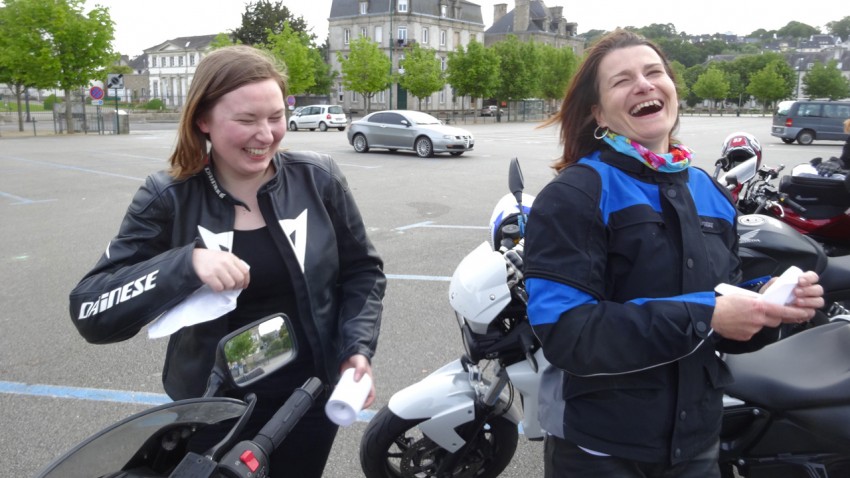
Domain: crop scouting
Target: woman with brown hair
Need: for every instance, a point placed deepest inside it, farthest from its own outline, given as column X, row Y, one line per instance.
column 623, row 251
column 235, row 213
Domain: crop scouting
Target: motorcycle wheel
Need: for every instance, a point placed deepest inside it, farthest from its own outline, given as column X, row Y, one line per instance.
column 393, row 447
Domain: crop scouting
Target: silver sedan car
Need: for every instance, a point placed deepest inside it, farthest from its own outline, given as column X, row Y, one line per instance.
column 405, row 129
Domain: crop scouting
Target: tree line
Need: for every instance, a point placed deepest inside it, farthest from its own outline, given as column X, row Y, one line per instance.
column 55, row 44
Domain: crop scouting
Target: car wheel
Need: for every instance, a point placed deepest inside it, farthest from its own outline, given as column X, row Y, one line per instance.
column 312, row 129
column 456, row 153
column 323, row 127
column 293, row 126
column 806, row 136
column 787, row 140
column 341, row 129
column 360, row 143
column 424, row 147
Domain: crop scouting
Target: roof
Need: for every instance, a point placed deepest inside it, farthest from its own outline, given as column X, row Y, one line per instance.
column 538, row 15
column 469, row 12
column 184, row 43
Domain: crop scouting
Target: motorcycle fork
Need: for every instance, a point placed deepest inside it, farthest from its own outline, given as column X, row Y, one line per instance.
column 487, row 405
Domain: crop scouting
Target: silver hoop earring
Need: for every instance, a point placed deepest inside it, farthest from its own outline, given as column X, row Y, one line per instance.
column 596, row 134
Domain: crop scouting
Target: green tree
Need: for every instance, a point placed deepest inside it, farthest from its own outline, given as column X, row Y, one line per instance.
column 768, row 85
column 712, row 85
column 658, row 30
column 558, row 68
column 681, row 85
column 263, row 19
column 71, row 47
column 519, row 72
column 423, row 74
column 222, row 40
column 473, row 71
column 239, row 348
column 292, row 48
column 795, row 29
column 826, row 81
column 366, row 70
column 840, row 28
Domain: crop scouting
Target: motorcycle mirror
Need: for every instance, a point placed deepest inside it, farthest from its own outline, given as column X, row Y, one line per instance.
column 259, row 349
column 516, row 183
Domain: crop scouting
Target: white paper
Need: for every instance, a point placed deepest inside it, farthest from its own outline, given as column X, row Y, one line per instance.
column 202, row 306
column 348, row 398
column 781, row 292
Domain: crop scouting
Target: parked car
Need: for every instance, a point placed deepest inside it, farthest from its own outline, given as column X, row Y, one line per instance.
column 406, row 129
column 491, row 110
column 808, row 120
column 318, row 116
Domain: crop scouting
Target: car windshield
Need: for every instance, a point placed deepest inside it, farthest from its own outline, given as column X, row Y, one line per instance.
column 421, row 118
column 783, row 107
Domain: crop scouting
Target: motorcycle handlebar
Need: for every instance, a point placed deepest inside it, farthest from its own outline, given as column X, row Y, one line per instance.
column 273, row 433
column 793, row 204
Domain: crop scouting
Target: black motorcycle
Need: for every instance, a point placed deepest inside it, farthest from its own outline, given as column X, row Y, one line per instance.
column 163, row 441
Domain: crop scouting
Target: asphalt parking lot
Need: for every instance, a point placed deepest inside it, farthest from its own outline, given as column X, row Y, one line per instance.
column 62, row 198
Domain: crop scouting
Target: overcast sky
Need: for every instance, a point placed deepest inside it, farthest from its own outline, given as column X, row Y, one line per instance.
column 141, row 25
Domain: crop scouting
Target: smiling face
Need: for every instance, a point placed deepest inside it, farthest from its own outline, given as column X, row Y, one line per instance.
column 637, row 97
column 245, row 128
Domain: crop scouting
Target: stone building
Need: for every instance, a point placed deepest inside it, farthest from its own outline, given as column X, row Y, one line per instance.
column 441, row 25
column 532, row 20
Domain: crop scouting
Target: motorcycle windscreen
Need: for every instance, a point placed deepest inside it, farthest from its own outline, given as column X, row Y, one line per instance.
column 112, row 448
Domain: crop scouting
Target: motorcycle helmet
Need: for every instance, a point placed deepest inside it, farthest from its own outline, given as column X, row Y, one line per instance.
column 739, row 147
column 505, row 220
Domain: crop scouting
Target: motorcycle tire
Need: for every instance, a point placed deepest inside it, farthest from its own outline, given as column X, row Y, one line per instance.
column 393, row 447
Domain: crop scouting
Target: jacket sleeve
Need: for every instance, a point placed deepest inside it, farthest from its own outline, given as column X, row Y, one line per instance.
column 139, row 276
column 581, row 330
column 361, row 276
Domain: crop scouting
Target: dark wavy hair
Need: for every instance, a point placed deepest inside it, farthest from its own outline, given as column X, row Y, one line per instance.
column 576, row 119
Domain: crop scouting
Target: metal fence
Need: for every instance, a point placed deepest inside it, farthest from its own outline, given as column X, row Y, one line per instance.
column 47, row 122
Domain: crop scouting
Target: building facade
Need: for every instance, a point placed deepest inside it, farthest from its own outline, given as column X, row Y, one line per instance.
column 171, row 67
column 441, row 25
column 532, row 20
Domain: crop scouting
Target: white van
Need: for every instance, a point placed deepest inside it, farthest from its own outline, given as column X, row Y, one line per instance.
column 318, row 116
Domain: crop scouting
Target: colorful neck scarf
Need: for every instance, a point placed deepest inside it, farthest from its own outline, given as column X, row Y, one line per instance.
column 678, row 159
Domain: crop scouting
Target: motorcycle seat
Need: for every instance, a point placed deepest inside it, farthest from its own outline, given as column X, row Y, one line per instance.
column 823, row 198
column 805, row 370
column 835, row 279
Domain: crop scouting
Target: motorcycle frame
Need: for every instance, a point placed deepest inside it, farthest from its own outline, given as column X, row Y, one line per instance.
column 447, row 399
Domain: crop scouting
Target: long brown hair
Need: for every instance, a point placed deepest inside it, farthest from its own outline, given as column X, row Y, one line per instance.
column 218, row 73
column 576, row 116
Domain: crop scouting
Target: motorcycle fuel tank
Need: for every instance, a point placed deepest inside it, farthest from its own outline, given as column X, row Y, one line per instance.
column 768, row 246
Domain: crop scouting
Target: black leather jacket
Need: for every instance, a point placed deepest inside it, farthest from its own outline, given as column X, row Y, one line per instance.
column 147, row 267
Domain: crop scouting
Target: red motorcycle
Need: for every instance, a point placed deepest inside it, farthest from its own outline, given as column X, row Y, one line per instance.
column 814, row 205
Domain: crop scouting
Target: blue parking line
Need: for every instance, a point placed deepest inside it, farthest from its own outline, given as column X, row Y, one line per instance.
column 102, row 395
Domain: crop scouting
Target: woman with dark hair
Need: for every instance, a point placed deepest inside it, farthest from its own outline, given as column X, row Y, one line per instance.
column 235, row 213
column 624, row 248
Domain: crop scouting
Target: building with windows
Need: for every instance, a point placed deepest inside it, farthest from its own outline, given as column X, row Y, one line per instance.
column 532, row 20
column 441, row 25
column 171, row 66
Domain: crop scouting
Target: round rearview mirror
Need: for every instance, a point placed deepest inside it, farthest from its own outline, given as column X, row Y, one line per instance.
column 258, row 349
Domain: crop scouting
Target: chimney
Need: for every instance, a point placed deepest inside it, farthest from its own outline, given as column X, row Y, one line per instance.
column 499, row 11
column 522, row 15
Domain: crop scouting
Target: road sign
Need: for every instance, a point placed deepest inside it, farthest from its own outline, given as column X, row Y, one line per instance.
column 97, row 102
column 115, row 80
column 290, row 100
column 96, row 93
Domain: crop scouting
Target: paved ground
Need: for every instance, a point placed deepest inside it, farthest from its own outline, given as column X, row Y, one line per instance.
column 62, row 198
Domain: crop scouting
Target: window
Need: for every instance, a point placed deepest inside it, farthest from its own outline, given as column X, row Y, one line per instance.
column 364, row 8
column 179, row 61
column 162, row 62
column 379, row 35
column 363, row 32
column 443, row 10
column 402, row 33
column 443, row 63
column 425, row 36
column 341, row 91
column 443, row 36
column 354, row 97
column 442, row 96
column 346, row 36
column 170, row 61
column 402, row 5
column 191, row 59
column 382, row 96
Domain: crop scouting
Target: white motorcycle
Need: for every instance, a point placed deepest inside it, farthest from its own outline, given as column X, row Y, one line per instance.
column 462, row 420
